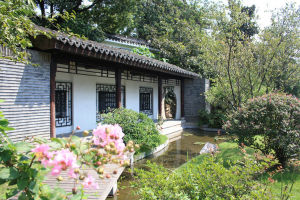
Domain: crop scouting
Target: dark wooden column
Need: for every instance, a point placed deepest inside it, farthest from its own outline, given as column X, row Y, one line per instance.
column 118, row 88
column 159, row 96
column 53, row 68
column 182, row 97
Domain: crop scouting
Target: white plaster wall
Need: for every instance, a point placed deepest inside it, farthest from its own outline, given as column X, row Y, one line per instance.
column 132, row 95
column 178, row 102
column 84, row 98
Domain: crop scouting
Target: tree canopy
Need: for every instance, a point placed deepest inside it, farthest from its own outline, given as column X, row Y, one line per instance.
column 93, row 18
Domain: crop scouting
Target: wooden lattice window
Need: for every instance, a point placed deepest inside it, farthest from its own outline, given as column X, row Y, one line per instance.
column 63, row 104
column 146, row 100
column 106, row 98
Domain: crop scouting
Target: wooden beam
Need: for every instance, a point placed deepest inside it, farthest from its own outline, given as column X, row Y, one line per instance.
column 118, row 87
column 53, row 69
column 159, row 96
column 182, row 97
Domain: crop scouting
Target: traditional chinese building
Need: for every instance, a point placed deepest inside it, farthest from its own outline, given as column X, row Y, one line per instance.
column 77, row 80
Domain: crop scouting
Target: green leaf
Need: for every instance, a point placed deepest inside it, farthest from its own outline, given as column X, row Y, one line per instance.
column 34, row 187
column 59, row 141
column 11, row 193
column 10, row 173
column 22, row 183
column 22, row 147
column 76, row 197
column 23, row 196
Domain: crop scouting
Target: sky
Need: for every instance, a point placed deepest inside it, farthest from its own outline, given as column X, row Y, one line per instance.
column 263, row 6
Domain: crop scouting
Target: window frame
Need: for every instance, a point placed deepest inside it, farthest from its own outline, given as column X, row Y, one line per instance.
column 67, row 118
column 110, row 89
column 146, row 90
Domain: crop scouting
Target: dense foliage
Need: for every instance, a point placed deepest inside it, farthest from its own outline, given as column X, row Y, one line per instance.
column 173, row 27
column 93, row 19
column 137, row 127
column 243, row 67
column 213, row 119
column 269, row 123
column 206, row 180
column 16, row 27
column 24, row 165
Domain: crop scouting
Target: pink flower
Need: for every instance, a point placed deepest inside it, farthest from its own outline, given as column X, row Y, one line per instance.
column 63, row 160
column 72, row 173
column 41, row 151
column 90, row 183
column 105, row 134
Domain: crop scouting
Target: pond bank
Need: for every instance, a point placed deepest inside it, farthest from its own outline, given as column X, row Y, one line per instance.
column 178, row 152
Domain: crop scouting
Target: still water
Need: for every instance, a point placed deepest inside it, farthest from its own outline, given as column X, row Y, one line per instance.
column 179, row 152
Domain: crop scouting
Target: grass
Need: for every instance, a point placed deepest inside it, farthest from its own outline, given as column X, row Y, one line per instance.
column 230, row 152
column 162, row 139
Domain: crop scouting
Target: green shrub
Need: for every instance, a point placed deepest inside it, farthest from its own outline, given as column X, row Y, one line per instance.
column 214, row 119
column 206, row 180
column 269, row 123
column 136, row 126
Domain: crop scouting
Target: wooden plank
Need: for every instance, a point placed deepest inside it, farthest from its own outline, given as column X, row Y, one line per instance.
column 105, row 184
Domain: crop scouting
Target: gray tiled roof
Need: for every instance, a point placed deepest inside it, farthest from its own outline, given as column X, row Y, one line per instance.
column 119, row 55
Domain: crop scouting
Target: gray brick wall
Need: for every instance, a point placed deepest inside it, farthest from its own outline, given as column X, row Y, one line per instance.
column 25, row 90
column 194, row 99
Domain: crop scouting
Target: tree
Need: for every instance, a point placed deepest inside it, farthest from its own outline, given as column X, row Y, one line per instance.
column 229, row 59
column 242, row 67
column 174, row 27
column 277, row 52
column 16, row 27
column 93, row 19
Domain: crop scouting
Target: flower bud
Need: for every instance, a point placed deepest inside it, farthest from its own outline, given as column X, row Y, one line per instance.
column 59, row 178
column 74, row 191
column 98, row 163
column 107, row 148
column 100, row 170
column 86, row 133
column 77, row 127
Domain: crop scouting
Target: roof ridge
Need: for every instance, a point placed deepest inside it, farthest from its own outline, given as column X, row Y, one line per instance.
column 113, row 51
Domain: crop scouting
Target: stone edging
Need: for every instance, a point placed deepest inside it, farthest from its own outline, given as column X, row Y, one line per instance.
column 154, row 151
column 212, row 129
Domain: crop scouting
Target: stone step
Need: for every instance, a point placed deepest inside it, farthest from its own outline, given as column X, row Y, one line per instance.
column 174, row 136
column 170, row 130
column 171, row 123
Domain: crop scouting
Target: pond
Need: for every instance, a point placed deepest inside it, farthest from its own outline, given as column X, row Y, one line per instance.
column 179, row 152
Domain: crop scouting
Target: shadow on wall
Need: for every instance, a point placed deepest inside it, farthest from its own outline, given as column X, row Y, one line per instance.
column 34, row 85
